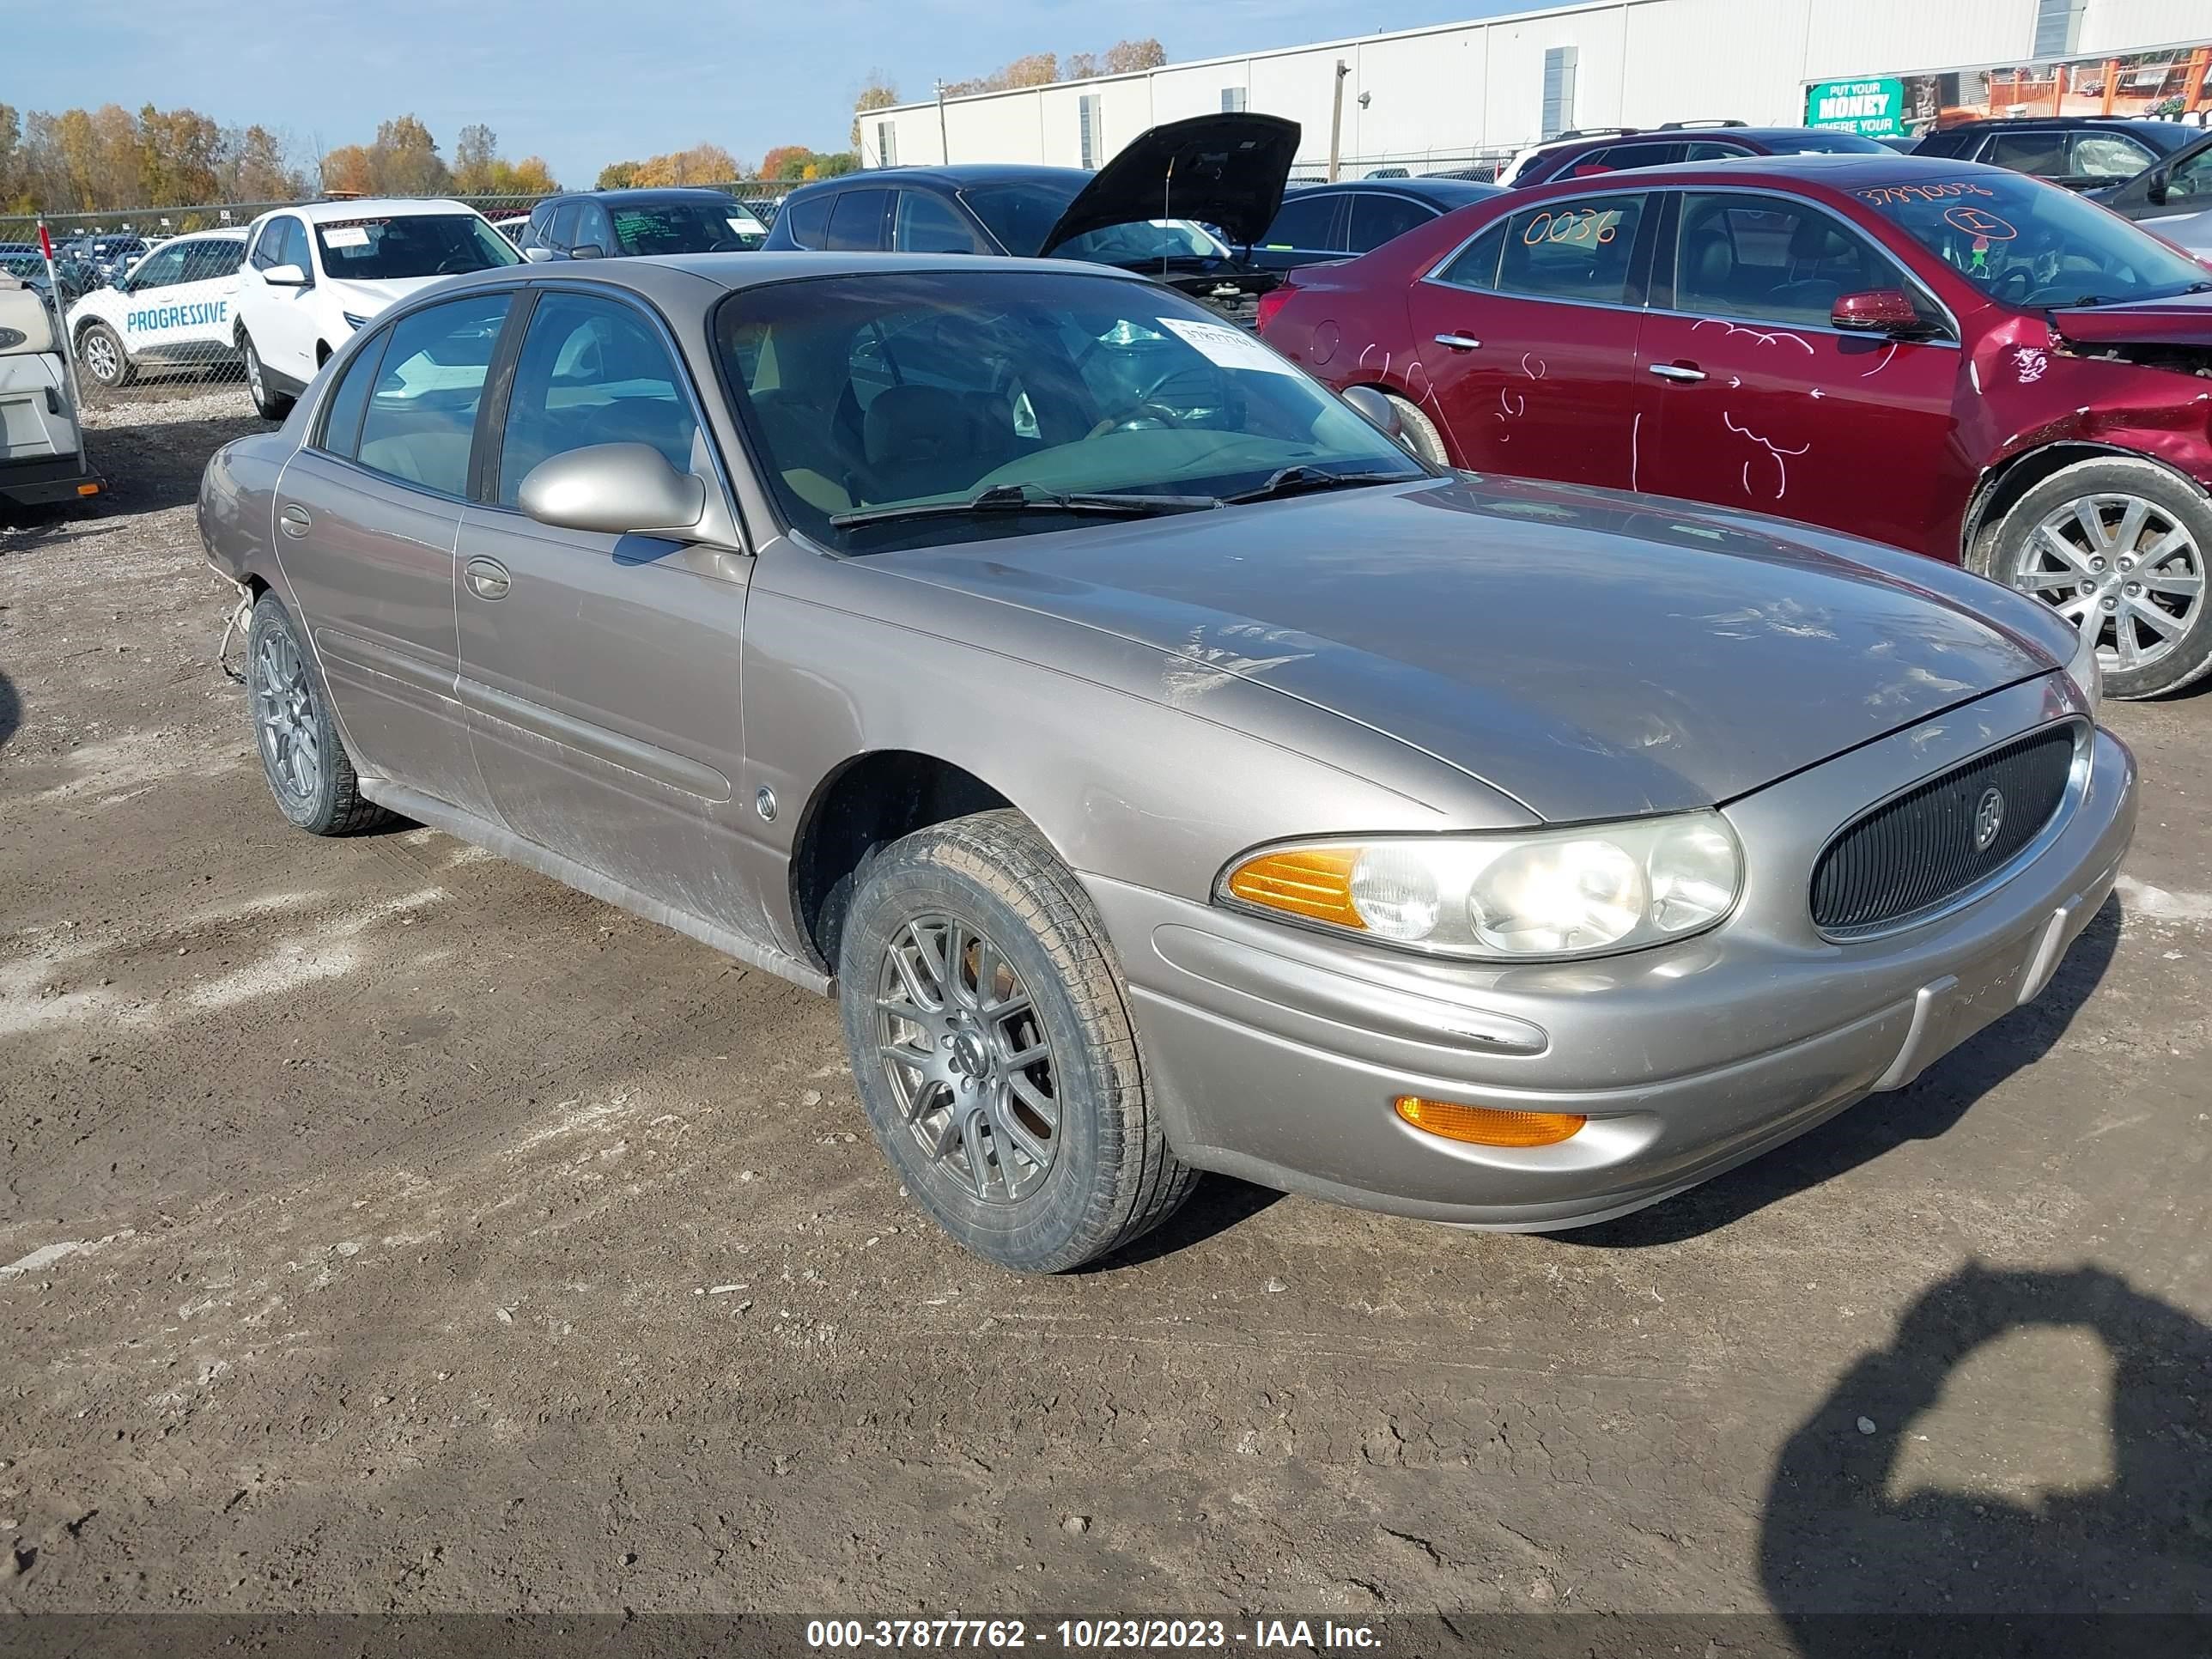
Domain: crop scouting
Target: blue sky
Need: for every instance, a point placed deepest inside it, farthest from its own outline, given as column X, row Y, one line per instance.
column 583, row 82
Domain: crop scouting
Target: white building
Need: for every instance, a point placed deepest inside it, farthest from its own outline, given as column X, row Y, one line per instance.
column 1459, row 90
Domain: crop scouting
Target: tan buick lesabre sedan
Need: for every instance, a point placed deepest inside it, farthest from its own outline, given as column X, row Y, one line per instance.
column 1166, row 770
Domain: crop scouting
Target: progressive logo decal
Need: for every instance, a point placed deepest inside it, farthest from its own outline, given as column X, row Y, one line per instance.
column 155, row 318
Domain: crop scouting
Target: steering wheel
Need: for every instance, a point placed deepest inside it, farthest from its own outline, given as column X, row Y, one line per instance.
column 1137, row 417
column 2015, row 287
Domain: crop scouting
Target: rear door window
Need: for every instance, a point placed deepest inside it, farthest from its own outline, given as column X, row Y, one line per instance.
column 856, row 222
column 2040, row 154
column 1623, row 158
column 1575, row 249
column 1377, row 218
column 420, row 425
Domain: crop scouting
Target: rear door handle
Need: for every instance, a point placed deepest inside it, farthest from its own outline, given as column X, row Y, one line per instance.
column 1459, row 342
column 1677, row 371
column 294, row 521
column 488, row 579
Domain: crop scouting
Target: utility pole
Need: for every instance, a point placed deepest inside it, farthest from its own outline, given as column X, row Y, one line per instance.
column 944, row 142
column 1336, row 120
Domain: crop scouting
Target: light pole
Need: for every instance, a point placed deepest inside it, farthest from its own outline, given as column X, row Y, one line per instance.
column 1336, row 119
column 943, row 143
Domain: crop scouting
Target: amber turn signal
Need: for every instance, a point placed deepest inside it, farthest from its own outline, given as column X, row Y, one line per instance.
column 1481, row 1126
column 1313, row 882
column 88, row 489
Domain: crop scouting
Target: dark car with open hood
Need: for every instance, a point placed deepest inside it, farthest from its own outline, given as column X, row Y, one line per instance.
column 1177, row 203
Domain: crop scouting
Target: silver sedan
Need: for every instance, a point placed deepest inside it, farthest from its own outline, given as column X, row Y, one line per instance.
column 1165, row 770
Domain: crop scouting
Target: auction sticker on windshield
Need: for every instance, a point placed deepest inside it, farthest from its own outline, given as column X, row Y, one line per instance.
column 1227, row 347
column 346, row 236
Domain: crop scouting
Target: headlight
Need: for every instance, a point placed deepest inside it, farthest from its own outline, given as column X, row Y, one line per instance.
column 353, row 321
column 1593, row 890
column 2086, row 673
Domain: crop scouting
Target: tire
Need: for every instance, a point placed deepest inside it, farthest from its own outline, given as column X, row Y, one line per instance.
column 269, row 404
column 2155, row 633
column 1005, row 920
column 302, row 757
column 1420, row 434
column 100, row 352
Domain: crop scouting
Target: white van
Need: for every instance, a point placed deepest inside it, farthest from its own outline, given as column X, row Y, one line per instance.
column 42, row 456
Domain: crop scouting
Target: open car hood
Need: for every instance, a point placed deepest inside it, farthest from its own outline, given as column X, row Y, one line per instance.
column 2186, row 320
column 1225, row 170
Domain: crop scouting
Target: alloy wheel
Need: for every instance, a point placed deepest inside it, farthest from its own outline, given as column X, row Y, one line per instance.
column 100, row 357
column 284, row 710
column 962, row 1044
column 2124, row 570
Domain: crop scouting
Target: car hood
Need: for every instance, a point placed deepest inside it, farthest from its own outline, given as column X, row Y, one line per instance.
column 367, row 299
column 2185, row 320
column 1591, row 654
column 1225, row 170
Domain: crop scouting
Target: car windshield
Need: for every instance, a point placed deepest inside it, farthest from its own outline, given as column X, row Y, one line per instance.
column 1021, row 216
column 685, row 227
column 867, row 392
column 412, row 244
column 2027, row 243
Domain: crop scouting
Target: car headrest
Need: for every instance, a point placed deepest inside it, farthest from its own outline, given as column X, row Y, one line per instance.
column 904, row 422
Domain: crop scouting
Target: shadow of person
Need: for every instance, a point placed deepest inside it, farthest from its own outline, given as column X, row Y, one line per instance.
column 1928, row 1107
column 11, row 709
column 2120, row 1564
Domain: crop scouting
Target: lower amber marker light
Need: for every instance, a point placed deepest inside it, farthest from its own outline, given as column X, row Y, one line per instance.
column 1480, row 1126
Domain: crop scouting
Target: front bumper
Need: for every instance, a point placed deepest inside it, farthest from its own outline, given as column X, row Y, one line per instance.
column 1275, row 1054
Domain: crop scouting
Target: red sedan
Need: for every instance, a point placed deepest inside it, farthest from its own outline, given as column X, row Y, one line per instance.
column 1953, row 358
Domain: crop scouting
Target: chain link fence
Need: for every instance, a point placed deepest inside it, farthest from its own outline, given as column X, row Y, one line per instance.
column 151, row 297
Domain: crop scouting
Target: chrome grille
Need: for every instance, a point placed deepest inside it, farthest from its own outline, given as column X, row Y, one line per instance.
column 1935, row 841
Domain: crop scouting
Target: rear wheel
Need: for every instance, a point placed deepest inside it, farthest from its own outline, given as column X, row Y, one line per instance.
column 1419, row 432
column 99, row 349
column 302, row 756
column 272, row 405
column 993, row 1052
column 2119, row 548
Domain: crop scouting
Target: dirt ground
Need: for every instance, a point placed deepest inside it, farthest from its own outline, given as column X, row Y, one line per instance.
column 387, row 1228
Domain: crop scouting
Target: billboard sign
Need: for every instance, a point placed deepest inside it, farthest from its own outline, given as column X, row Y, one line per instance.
column 1873, row 109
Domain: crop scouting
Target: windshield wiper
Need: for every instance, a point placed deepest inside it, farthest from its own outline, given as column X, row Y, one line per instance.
column 1020, row 498
column 1299, row 479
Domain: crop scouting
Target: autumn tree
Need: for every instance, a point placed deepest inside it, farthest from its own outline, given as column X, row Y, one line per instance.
column 617, row 175
column 257, row 167
column 785, row 162
column 1082, row 65
column 876, row 92
column 179, row 153
column 480, row 170
column 406, row 159
column 1128, row 56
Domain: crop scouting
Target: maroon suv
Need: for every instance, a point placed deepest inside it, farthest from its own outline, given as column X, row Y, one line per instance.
column 1955, row 359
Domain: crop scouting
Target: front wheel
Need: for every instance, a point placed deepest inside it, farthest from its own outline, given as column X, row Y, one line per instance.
column 269, row 403
column 2118, row 547
column 992, row 1049
column 99, row 349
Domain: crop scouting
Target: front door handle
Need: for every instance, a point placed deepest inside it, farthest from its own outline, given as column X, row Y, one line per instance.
column 295, row 521
column 1459, row 342
column 1677, row 371
column 488, row 579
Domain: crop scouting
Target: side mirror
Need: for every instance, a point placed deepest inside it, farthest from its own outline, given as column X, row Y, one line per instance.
column 588, row 250
column 2156, row 185
column 1876, row 311
column 1374, row 409
column 285, row 277
column 617, row 488
column 536, row 254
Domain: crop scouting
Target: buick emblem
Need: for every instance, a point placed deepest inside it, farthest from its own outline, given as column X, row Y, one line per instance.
column 1988, row 818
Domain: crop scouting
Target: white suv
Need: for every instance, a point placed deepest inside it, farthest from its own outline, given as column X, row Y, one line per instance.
column 315, row 273
column 171, row 311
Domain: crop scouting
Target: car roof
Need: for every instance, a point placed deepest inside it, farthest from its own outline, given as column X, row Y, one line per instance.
column 643, row 193
column 960, row 175
column 2018, row 121
column 1444, row 192
column 369, row 207
column 697, row 280
column 1832, row 170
